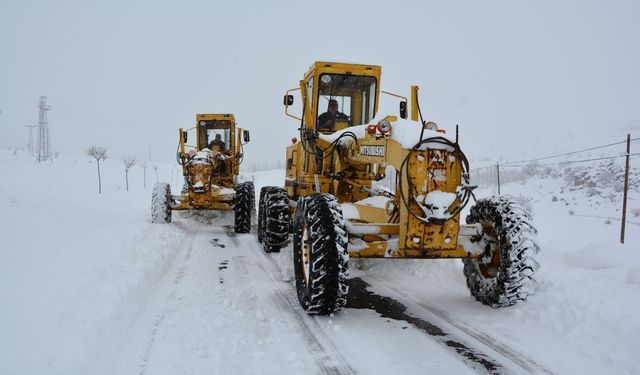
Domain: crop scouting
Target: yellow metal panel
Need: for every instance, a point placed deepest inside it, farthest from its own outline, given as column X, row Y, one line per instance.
column 414, row 103
column 372, row 214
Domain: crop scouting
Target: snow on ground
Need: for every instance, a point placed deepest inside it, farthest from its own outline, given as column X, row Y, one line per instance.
column 75, row 265
column 583, row 318
column 87, row 282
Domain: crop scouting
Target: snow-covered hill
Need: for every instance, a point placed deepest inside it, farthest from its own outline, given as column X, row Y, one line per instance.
column 79, row 270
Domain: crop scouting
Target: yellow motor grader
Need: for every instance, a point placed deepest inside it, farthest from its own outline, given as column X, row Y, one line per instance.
column 210, row 168
column 367, row 185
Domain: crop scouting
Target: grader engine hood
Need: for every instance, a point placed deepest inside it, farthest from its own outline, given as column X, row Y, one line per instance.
column 200, row 172
column 432, row 175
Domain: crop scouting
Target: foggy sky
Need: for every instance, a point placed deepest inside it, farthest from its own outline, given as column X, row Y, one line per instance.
column 521, row 78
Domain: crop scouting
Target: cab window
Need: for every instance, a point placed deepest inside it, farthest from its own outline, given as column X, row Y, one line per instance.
column 215, row 135
column 344, row 100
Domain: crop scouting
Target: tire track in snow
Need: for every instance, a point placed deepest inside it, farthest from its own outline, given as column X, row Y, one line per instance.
column 474, row 336
column 327, row 356
column 187, row 248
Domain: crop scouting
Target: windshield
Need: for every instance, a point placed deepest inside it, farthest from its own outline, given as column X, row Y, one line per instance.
column 215, row 135
column 345, row 100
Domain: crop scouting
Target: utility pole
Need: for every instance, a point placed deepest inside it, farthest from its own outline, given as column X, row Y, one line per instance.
column 44, row 142
column 626, row 189
column 498, row 174
column 30, row 145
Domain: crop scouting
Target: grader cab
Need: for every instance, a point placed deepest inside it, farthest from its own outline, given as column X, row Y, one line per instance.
column 210, row 167
column 363, row 184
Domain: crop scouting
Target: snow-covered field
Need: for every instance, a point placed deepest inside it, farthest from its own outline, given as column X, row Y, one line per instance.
column 90, row 286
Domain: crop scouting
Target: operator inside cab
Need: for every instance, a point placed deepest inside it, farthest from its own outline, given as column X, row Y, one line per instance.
column 350, row 100
column 215, row 135
column 217, row 144
column 218, row 137
column 327, row 121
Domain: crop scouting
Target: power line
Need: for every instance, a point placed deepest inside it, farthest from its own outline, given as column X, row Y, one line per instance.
column 569, row 153
column 554, row 156
column 569, row 162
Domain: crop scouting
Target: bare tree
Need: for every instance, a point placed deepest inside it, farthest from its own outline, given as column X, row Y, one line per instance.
column 129, row 162
column 143, row 165
column 98, row 153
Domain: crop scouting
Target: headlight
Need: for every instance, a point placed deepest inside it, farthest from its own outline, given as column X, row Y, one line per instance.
column 384, row 126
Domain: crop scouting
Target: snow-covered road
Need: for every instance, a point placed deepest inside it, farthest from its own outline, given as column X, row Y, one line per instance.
column 89, row 286
column 217, row 311
column 223, row 307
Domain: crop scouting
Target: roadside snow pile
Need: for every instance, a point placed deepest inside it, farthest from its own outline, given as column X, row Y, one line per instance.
column 602, row 179
column 597, row 255
column 74, row 265
column 592, row 189
column 634, row 275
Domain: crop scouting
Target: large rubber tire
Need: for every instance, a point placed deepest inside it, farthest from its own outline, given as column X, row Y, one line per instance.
column 261, row 210
column 242, row 207
column 504, row 274
column 320, row 256
column 160, row 203
column 274, row 218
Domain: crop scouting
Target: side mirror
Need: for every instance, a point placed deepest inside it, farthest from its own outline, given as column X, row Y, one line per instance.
column 288, row 100
column 245, row 136
column 184, row 136
column 403, row 110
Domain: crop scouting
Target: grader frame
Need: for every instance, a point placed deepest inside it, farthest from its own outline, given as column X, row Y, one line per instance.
column 339, row 212
column 362, row 163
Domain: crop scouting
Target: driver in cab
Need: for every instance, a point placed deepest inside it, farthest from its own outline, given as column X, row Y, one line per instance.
column 327, row 120
column 218, row 144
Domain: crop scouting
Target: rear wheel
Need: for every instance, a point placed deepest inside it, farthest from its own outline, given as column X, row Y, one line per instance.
column 245, row 196
column 261, row 210
column 320, row 254
column 161, row 203
column 274, row 218
column 503, row 275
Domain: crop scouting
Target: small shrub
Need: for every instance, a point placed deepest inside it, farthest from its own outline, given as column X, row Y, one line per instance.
column 572, row 212
column 608, row 221
column 635, row 212
column 554, row 199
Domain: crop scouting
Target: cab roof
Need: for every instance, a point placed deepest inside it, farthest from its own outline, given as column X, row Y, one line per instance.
column 215, row 116
column 344, row 68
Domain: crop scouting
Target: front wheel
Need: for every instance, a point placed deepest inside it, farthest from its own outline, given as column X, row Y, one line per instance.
column 503, row 275
column 320, row 254
column 273, row 218
column 242, row 207
column 161, row 203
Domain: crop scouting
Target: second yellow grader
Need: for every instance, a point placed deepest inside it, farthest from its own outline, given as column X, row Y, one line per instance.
column 210, row 167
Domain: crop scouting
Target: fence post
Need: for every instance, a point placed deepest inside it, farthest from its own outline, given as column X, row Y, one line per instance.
column 626, row 189
column 498, row 173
